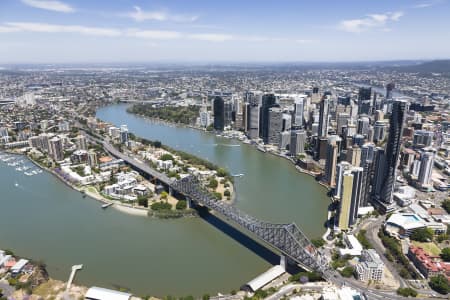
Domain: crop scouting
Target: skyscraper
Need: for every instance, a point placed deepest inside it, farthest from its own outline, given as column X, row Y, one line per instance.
column 426, row 167
column 124, row 134
column 392, row 151
column 298, row 140
column 219, row 113
column 379, row 131
column 323, row 117
column 331, row 160
column 268, row 101
column 346, row 200
column 364, row 97
column 275, row 125
column 389, row 88
column 56, row 149
column 298, row 111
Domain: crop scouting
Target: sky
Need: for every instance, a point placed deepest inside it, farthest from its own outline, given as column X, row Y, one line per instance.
column 113, row 31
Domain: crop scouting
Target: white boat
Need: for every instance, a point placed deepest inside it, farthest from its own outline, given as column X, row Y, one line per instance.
column 106, row 205
column 261, row 148
column 238, row 175
column 28, row 173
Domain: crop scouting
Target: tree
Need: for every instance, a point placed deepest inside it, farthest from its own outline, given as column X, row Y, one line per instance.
column 166, row 156
column 407, row 292
column 227, row 193
column 213, row 183
column 422, row 235
column 446, row 205
column 363, row 239
column 164, row 195
column 347, row 271
column 440, row 284
column 318, row 242
column 143, row 201
column 221, row 172
column 182, row 204
column 445, row 254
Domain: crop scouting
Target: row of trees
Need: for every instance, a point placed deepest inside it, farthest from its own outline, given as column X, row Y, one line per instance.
column 176, row 114
column 394, row 253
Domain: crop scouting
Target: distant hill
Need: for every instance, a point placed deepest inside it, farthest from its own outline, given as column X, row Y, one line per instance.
column 435, row 66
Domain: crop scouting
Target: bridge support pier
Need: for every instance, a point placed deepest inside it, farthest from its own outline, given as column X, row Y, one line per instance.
column 188, row 203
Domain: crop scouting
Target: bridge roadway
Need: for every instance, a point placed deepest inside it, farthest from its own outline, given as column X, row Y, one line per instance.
column 139, row 165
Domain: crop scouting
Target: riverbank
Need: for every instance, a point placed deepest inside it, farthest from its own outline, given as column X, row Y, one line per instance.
column 254, row 145
column 88, row 191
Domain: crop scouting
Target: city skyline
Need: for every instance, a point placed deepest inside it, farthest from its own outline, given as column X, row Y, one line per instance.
column 38, row 31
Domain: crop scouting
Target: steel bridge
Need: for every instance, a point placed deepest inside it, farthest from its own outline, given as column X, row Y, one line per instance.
column 286, row 238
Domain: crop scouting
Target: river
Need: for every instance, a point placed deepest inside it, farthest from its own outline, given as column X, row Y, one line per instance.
column 44, row 219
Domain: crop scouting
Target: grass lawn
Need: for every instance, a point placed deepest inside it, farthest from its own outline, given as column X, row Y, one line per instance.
column 431, row 248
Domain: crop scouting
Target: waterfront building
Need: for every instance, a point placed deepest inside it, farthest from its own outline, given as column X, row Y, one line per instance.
column 254, row 121
column 228, row 113
column 284, row 140
column 370, row 267
column 297, row 143
column 274, row 124
column 345, row 200
column 323, row 117
column 219, row 113
column 56, row 149
column 4, row 137
column 268, row 102
column 331, row 160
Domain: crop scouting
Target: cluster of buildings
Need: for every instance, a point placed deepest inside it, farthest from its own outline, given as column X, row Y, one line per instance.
column 13, row 266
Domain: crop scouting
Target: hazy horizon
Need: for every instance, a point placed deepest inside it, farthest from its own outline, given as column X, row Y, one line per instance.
column 138, row 31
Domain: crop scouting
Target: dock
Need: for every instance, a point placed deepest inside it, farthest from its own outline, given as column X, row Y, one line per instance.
column 75, row 268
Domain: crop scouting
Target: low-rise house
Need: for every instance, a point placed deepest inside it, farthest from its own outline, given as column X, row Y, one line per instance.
column 19, row 266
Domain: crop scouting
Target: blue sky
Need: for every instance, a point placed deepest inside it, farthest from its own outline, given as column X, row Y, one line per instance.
column 53, row 31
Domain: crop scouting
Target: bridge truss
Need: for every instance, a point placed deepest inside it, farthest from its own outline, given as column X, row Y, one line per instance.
column 286, row 238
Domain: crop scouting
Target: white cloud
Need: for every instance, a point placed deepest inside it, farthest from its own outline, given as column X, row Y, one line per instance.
column 427, row 4
column 211, row 37
column 140, row 15
column 370, row 21
column 50, row 5
column 148, row 34
column 51, row 28
column 154, row 34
